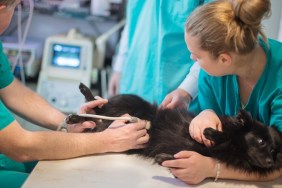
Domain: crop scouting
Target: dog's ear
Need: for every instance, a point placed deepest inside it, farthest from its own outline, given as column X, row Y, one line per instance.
column 244, row 118
column 275, row 136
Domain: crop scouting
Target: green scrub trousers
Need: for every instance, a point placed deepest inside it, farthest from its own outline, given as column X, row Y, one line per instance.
column 12, row 173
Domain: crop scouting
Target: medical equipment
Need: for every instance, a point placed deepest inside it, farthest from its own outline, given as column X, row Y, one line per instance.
column 106, row 7
column 18, row 60
column 67, row 61
column 76, row 118
column 30, row 54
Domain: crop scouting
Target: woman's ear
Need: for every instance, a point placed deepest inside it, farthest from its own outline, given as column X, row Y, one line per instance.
column 225, row 59
column 2, row 7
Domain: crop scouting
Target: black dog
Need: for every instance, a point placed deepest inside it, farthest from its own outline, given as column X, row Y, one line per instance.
column 244, row 143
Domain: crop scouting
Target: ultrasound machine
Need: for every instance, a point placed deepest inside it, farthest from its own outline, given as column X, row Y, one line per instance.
column 67, row 61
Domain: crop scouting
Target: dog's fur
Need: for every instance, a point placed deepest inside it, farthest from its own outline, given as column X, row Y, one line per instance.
column 244, row 143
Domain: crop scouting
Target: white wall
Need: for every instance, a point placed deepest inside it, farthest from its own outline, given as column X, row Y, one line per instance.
column 280, row 30
column 272, row 24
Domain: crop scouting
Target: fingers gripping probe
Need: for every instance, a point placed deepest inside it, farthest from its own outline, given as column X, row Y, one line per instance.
column 76, row 118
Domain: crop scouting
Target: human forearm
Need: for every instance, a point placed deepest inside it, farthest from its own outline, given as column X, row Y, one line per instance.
column 26, row 103
column 231, row 173
column 47, row 145
column 222, row 171
column 50, row 145
column 58, row 145
column 193, row 168
column 42, row 113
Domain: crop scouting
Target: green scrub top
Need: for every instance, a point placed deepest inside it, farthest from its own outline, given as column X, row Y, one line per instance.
column 6, row 78
column 157, row 58
column 221, row 94
column 12, row 173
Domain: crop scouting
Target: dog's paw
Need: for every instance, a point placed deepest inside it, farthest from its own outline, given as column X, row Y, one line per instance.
column 217, row 137
column 160, row 158
column 210, row 133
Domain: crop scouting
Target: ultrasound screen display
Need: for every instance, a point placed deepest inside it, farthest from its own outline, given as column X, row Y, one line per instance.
column 67, row 56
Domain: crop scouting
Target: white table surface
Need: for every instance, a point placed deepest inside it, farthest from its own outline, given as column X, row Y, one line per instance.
column 118, row 171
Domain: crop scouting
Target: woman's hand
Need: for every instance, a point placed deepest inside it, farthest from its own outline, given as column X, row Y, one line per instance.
column 87, row 108
column 127, row 136
column 191, row 167
column 205, row 119
column 178, row 98
column 114, row 84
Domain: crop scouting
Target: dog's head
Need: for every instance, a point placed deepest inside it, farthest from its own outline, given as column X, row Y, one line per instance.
column 262, row 143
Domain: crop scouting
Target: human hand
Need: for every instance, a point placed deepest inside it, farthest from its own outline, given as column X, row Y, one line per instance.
column 87, row 108
column 205, row 119
column 178, row 98
column 114, row 84
column 191, row 167
column 127, row 136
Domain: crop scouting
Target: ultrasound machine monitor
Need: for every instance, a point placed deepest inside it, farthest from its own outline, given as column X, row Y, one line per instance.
column 67, row 61
column 66, row 56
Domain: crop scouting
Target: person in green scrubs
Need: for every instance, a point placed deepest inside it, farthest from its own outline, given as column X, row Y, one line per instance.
column 20, row 149
column 153, row 60
column 241, row 68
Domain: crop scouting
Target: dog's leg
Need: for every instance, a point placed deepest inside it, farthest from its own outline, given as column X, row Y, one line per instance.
column 160, row 158
column 86, row 92
column 277, row 145
column 216, row 136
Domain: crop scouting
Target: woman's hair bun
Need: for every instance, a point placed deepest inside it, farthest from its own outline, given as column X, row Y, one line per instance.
column 251, row 12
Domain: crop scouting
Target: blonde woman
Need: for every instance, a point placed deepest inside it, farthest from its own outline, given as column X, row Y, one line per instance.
column 241, row 69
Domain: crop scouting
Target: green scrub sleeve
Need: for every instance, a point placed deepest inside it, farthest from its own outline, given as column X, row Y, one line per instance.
column 6, row 75
column 276, row 111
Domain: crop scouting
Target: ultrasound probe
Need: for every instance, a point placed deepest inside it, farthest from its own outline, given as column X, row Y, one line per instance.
column 76, row 118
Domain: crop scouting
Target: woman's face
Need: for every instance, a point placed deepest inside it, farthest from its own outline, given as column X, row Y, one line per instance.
column 6, row 14
column 207, row 62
